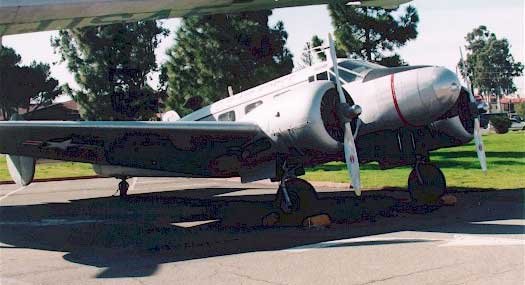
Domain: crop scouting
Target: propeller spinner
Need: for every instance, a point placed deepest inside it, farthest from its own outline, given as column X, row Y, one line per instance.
column 352, row 161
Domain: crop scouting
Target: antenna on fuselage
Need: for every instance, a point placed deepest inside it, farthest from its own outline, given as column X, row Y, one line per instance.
column 230, row 91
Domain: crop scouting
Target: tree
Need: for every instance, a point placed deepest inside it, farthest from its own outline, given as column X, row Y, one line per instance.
column 307, row 57
column 318, row 42
column 372, row 33
column 310, row 54
column 21, row 86
column 489, row 64
column 213, row 52
column 111, row 65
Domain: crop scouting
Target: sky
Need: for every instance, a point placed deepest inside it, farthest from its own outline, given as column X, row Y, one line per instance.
column 442, row 28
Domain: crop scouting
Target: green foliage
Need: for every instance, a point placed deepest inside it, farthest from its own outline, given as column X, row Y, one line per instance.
column 310, row 54
column 22, row 85
column 489, row 64
column 501, row 123
column 213, row 52
column 111, row 65
column 520, row 109
column 372, row 33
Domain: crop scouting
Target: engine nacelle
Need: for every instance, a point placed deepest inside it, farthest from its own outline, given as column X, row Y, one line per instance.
column 457, row 125
column 411, row 98
column 305, row 123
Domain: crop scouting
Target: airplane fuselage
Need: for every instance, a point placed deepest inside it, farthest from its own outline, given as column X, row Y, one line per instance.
column 298, row 116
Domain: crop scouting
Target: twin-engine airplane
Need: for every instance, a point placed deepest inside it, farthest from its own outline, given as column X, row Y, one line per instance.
column 342, row 109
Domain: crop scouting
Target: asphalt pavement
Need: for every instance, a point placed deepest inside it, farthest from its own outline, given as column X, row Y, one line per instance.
column 210, row 231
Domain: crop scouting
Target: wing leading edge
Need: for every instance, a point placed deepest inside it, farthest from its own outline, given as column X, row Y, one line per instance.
column 24, row 16
column 194, row 148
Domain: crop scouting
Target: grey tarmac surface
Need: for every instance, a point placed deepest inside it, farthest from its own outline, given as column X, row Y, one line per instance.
column 206, row 231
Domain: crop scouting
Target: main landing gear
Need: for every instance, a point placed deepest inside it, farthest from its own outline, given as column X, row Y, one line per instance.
column 426, row 183
column 295, row 195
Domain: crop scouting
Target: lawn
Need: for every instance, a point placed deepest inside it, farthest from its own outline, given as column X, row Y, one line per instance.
column 505, row 163
column 505, row 157
column 52, row 170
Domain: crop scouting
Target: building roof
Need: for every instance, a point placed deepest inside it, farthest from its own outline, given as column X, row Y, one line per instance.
column 63, row 111
column 513, row 100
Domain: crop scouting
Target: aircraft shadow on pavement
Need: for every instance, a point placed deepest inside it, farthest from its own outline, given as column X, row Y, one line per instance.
column 132, row 238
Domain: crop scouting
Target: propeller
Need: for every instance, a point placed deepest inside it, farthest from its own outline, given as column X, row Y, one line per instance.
column 478, row 141
column 352, row 161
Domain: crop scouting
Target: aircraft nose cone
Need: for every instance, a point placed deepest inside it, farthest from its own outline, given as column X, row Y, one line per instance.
column 439, row 89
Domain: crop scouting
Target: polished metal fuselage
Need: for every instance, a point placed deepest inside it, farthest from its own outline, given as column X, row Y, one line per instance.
column 290, row 118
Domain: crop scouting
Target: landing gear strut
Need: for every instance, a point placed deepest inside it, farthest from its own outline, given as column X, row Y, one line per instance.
column 294, row 195
column 302, row 196
column 123, row 187
column 426, row 183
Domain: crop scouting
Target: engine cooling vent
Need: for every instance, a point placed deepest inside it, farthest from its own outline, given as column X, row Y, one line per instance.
column 331, row 122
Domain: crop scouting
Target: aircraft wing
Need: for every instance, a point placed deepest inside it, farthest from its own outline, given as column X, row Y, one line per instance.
column 196, row 148
column 24, row 16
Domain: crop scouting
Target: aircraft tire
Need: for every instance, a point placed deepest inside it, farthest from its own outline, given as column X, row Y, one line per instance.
column 433, row 187
column 302, row 196
column 123, row 188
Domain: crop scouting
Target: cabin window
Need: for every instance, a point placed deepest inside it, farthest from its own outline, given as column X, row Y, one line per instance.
column 228, row 116
column 311, row 79
column 252, row 106
column 322, row 76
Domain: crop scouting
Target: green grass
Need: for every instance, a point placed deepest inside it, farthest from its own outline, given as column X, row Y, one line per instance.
column 51, row 170
column 505, row 157
column 505, row 161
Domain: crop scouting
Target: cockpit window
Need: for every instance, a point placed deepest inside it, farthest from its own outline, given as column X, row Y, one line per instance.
column 349, row 70
column 322, row 76
column 347, row 76
column 359, row 66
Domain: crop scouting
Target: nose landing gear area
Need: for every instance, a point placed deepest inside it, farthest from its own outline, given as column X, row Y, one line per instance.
column 426, row 184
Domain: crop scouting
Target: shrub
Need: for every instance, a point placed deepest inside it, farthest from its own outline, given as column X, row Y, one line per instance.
column 520, row 109
column 501, row 124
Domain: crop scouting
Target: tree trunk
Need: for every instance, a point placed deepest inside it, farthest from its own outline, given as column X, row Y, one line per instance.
column 368, row 46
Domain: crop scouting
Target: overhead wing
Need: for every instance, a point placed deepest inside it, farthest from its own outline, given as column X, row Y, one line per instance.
column 196, row 148
column 23, row 16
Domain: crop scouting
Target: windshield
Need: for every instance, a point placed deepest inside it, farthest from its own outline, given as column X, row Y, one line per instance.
column 359, row 66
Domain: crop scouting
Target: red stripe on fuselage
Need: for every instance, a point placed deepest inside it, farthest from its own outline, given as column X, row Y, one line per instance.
column 396, row 105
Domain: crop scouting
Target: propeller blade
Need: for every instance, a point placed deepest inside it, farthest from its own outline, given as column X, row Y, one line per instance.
column 480, row 148
column 478, row 141
column 352, row 162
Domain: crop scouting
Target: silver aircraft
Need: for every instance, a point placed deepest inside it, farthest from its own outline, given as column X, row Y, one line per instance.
column 352, row 111
column 341, row 109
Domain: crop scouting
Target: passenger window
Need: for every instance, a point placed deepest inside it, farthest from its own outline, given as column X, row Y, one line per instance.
column 311, row 79
column 228, row 116
column 252, row 106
